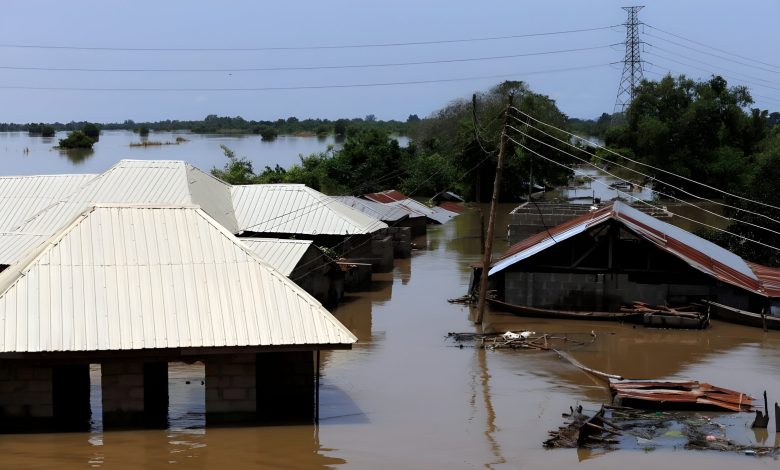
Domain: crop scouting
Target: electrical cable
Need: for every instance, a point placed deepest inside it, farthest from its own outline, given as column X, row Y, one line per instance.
column 647, row 203
column 303, row 67
column 594, row 144
column 298, row 48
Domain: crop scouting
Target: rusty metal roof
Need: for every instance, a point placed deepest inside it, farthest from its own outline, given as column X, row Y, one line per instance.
column 127, row 277
column 398, row 199
column 699, row 253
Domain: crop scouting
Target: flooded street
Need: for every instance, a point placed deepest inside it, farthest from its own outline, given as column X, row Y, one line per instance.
column 405, row 397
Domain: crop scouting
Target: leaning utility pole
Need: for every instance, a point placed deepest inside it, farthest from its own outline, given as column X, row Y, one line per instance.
column 632, row 63
column 486, row 259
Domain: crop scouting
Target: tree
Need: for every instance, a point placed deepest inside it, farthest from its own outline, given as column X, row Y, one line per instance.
column 413, row 118
column 695, row 129
column 76, row 140
column 268, row 133
column 92, row 131
column 143, row 131
column 340, row 127
column 238, row 170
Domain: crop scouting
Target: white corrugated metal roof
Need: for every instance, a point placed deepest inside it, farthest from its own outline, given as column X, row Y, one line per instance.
column 21, row 197
column 284, row 255
column 377, row 210
column 436, row 214
column 297, row 209
column 129, row 181
column 131, row 277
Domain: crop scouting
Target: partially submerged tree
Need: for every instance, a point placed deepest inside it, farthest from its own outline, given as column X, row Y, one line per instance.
column 77, row 140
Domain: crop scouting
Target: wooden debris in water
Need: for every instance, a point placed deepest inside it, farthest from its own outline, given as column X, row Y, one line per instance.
column 614, row 427
column 522, row 340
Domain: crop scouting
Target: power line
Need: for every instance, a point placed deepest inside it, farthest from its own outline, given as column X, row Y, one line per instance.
column 715, row 72
column 298, row 48
column 303, row 87
column 713, row 55
column 303, row 67
column 725, row 193
column 711, row 47
column 647, row 203
column 658, row 192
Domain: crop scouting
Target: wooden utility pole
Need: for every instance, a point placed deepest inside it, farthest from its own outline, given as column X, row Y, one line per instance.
column 486, row 259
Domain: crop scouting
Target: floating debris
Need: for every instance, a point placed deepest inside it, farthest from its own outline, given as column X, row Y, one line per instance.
column 678, row 394
column 614, row 427
column 523, row 339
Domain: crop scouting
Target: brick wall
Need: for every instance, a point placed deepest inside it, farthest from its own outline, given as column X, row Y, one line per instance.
column 230, row 389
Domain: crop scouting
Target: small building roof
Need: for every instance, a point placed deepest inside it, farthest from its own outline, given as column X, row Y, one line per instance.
column 699, row 253
column 129, row 181
column 21, row 197
column 383, row 212
column 297, row 209
column 283, row 254
column 125, row 277
column 417, row 209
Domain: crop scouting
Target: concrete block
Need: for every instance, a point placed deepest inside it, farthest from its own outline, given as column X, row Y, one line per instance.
column 234, row 394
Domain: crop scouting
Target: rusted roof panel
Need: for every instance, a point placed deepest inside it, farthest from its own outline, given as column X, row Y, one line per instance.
column 699, row 253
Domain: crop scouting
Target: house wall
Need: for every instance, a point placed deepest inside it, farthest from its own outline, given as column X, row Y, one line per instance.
column 402, row 241
column 598, row 292
column 26, row 394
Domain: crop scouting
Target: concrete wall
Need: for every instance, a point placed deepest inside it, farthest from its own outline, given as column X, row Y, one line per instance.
column 231, row 389
column 418, row 225
column 598, row 292
column 402, row 241
column 25, row 394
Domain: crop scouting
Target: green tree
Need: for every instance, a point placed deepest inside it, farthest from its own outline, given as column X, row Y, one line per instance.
column 76, row 140
column 92, row 131
column 268, row 133
column 700, row 130
column 238, row 170
column 143, row 131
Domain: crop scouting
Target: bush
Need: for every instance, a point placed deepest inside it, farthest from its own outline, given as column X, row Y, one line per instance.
column 268, row 133
column 92, row 131
column 77, row 140
column 143, row 131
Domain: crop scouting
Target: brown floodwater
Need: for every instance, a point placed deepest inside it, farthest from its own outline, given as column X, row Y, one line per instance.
column 405, row 397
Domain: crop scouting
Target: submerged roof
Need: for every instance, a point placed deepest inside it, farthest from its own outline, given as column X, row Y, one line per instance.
column 699, row 253
column 283, row 254
column 141, row 277
column 417, row 209
column 383, row 212
column 129, row 181
column 21, row 197
column 297, row 209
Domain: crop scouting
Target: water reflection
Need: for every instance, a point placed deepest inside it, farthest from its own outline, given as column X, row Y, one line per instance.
column 76, row 156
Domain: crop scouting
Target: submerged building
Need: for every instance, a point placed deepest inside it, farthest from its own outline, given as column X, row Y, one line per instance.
column 434, row 215
column 616, row 255
column 133, row 287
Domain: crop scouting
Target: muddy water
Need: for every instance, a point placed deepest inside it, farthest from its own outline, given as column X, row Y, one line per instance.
column 406, row 398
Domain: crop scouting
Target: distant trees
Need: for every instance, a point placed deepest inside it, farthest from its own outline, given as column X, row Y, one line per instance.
column 43, row 130
column 143, row 131
column 77, row 140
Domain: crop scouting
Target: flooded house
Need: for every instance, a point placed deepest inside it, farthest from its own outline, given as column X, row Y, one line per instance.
column 304, row 263
column 297, row 211
column 616, row 255
column 392, row 197
column 402, row 224
column 131, row 288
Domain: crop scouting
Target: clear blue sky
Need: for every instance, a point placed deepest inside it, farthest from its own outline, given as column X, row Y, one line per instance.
column 747, row 28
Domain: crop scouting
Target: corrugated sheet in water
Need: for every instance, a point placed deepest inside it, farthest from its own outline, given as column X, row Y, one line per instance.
column 383, row 212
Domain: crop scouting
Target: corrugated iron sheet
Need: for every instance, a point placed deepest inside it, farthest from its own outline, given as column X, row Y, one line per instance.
column 284, row 255
column 297, row 209
column 451, row 206
column 383, row 212
column 21, row 197
column 129, row 277
column 696, row 251
column 129, row 181
column 395, row 198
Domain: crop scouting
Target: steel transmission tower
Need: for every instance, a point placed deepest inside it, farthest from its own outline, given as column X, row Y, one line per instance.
column 632, row 63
